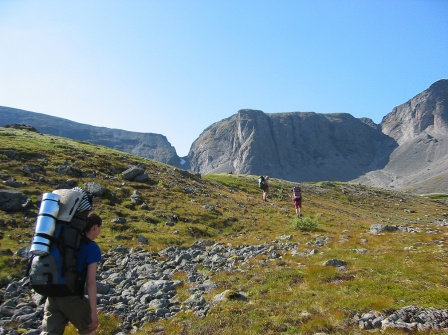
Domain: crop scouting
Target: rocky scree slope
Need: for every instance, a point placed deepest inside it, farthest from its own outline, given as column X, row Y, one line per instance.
column 138, row 287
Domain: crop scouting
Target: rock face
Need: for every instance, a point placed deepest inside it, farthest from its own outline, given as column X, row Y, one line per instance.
column 148, row 145
column 425, row 114
column 408, row 150
column 292, row 146
column 420, row 127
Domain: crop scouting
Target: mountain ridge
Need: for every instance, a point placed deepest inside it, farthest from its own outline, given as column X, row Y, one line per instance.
column 253, row 142
column 408, row 147
column 420, row 127
column 148, row 145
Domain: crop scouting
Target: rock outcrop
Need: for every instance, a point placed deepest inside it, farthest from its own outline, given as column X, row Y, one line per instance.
column 424, row 114
column 420, row 127
column 292, row 146
column 408, row 150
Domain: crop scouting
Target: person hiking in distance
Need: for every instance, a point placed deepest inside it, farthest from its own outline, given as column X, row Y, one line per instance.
column 297, row 198
column 82, row 312
column 263, row 182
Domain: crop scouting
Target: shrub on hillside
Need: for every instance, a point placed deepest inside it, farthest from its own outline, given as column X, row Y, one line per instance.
column 307, row 222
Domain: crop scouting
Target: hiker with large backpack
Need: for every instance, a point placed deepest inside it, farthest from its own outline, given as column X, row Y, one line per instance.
column 263, row 183
column 65, row 261
column 297, row 198
column 82, row 312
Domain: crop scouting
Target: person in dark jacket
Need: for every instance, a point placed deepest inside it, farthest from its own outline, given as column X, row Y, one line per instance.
column 266, row 188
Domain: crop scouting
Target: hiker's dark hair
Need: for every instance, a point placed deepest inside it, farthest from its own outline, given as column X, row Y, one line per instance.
column 92, row 220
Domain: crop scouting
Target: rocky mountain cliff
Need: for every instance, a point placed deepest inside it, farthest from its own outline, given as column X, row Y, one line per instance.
column 408, row 150
column 426, row 113
column 420, row 127
column 292, row 146
column 148, row 145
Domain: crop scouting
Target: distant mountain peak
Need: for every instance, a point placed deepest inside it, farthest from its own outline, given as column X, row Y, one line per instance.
column 426, row 112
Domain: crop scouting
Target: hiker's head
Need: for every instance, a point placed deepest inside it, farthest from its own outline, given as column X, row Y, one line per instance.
column 92, row 221
column 267, row 177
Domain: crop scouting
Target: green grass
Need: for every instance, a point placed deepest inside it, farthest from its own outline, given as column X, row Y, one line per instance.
column 306, row 222
column 291, row 295
column 108, row 324
column 436, row 196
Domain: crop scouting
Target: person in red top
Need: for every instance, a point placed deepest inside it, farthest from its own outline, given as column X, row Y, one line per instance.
column 297, row 198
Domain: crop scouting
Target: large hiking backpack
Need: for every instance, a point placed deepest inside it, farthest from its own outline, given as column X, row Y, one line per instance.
column 261, row 183
column 297, row 192
column 52, row 268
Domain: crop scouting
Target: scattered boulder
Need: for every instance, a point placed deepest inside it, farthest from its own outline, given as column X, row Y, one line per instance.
column 143, row 240
column 12, row 201
column 6, row 252
column 187, row 174
column 136, row 198
column 134, row 171
column 65, row 169
column 95, row 188
column 32, row 168
column 120, row 219
column 335, row 262
column 13, row 183
column 23, row 252
column 380, row 228
column 21, row 126
column 12, row 154
column 138, row 286
column 229, row 295
column 141, row 178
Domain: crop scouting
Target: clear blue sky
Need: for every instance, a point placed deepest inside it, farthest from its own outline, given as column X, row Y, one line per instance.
column 174, row 67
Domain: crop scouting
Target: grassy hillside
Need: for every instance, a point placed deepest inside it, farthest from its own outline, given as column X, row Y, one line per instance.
column 294, row 295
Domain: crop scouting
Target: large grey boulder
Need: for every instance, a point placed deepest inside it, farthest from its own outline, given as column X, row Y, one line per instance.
column 133, row 172
column 12, row 201
column 95, row 188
